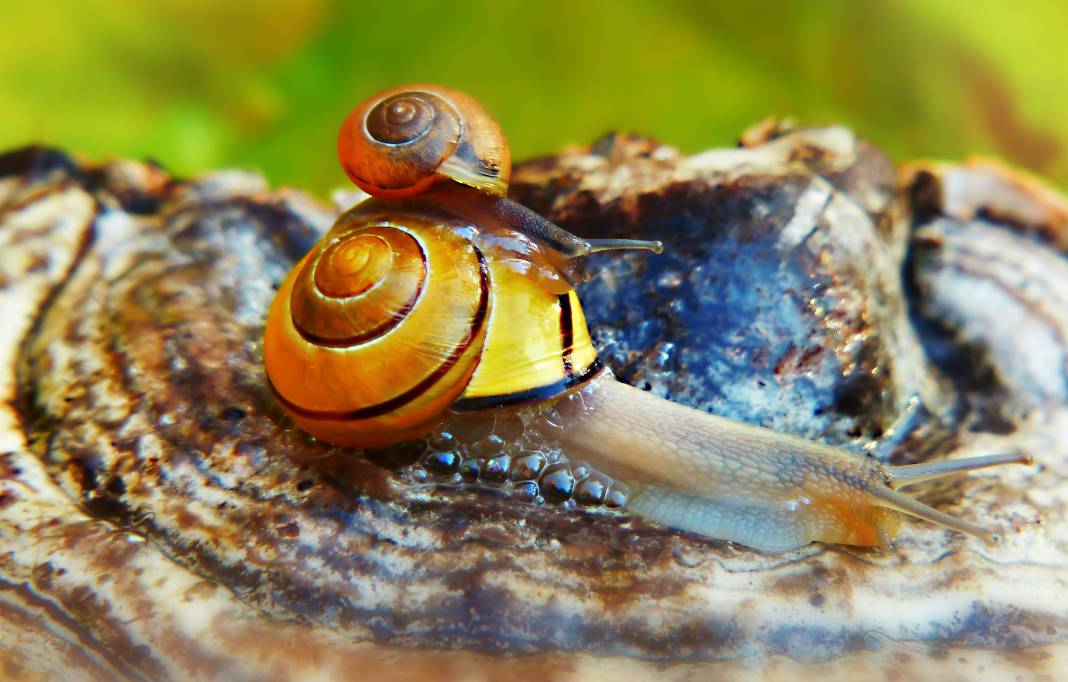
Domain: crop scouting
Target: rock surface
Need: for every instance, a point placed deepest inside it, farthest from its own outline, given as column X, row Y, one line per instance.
column 160, row 518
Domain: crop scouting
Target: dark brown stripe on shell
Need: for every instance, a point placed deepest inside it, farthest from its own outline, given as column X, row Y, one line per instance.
column 533, row 395
column 567, row 333
column 376, row 332
column 414, row 392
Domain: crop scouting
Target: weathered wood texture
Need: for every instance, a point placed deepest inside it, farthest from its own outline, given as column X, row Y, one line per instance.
column 159, row 518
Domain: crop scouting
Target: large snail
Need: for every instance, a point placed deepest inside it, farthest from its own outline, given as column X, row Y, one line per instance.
column 441, row 296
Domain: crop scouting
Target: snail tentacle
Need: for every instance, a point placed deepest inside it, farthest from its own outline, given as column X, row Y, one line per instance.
column 603, row 245
column 891, row 499
column 566, row 250
column 908, row 474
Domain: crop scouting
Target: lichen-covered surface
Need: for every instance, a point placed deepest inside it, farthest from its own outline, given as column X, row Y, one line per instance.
column 159, row 518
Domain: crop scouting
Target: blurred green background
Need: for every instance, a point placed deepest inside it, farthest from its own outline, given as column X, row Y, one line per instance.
column 201, row 84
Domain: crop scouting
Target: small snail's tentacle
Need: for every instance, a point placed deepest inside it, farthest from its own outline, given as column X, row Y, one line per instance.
column 725, row 479
column 909, row 474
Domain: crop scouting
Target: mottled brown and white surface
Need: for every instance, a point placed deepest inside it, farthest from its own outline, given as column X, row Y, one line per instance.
column 160, row 519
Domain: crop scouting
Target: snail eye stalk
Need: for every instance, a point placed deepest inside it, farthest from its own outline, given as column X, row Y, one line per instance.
column 602, row 245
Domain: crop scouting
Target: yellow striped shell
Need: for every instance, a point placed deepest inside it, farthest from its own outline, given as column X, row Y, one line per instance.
column 404, row 311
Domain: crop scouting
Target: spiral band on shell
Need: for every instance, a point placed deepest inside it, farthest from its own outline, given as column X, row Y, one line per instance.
column 370, row 290
column 414, row 392
column 400, row 142
column 404, row 118
column 358, row 287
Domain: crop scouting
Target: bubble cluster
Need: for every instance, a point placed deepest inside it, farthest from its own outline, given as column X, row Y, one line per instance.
column 534, row 474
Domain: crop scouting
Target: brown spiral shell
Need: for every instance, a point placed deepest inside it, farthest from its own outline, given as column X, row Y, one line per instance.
column 400, row 142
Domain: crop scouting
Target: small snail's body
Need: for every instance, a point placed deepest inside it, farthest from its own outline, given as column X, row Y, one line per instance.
column 443, row 296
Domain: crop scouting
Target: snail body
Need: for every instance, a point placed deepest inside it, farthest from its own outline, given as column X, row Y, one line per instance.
column 440, row 295
column 761, row 488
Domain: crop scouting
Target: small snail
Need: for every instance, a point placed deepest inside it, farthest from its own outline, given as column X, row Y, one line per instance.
column 439, row 295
